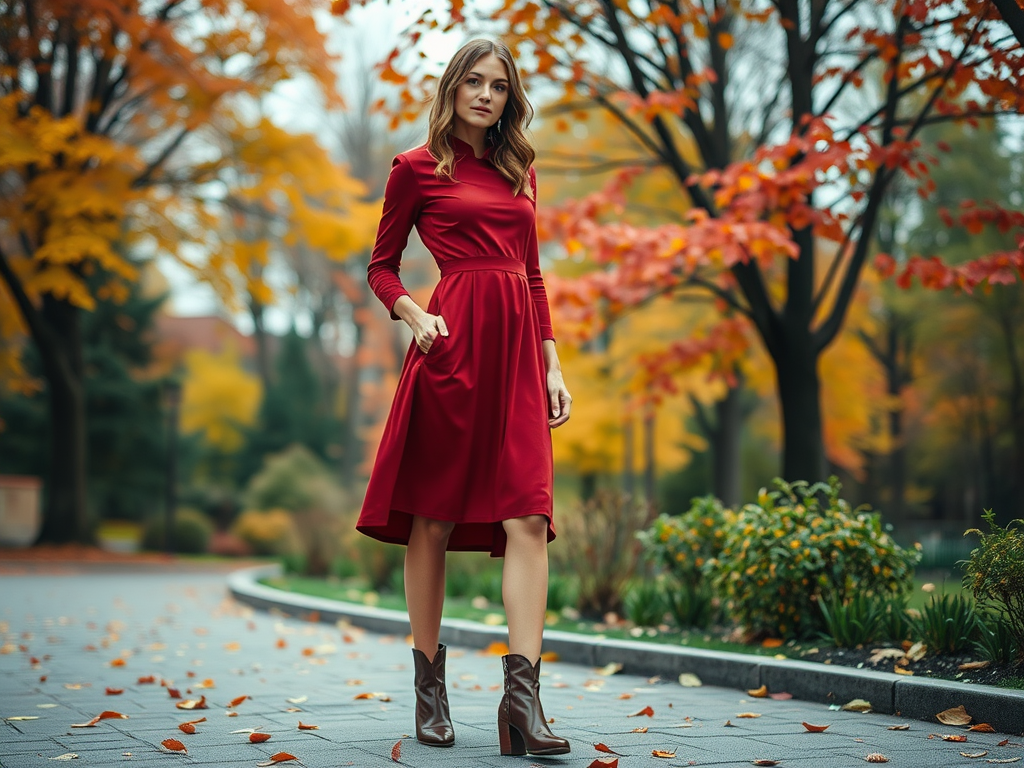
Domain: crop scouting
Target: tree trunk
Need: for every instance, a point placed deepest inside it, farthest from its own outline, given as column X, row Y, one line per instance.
column 725, row 447
column 65, row 515
column 650, row 461
column 803, row 451
column 628, row 467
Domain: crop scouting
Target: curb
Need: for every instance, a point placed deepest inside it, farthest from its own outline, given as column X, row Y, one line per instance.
column 888, row 693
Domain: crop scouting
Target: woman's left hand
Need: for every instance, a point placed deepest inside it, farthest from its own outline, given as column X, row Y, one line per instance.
column 559, row 400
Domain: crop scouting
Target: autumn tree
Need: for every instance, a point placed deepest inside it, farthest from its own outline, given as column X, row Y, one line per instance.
column 801, row 115
column 108, row 113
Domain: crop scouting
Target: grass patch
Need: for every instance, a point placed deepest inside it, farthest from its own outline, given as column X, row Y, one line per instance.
column 1016, row 683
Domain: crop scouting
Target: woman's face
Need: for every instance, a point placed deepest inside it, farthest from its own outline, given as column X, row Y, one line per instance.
column 480, row 97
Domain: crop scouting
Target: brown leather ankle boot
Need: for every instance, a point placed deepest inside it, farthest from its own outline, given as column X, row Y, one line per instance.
column 522, row 728
column 433, row 722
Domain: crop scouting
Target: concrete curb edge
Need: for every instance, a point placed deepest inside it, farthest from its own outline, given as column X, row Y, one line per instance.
column 917, row 698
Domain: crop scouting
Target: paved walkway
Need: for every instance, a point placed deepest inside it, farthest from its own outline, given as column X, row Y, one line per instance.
column 63, row 639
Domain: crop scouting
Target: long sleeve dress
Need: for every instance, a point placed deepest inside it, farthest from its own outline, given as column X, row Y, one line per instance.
column 467, row 439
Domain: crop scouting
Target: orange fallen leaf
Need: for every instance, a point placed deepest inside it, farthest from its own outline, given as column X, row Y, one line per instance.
column 974, row 665
column 974, row 755
column 982, row 728
column 496, row 649
column 207, row 683
column 259, row 738
column 602, row 747
column 174, row 693
column 815, row 728
column 772, row 642
column 759, row 693
column 901, row 671
column 954, row 737
column 1007, row 760
column 117, row 663
column 662, row 753
column 280, row 757
column 954, row 716
column 281, row 643
column 187, row 728
column 605, row 762
column 304, row 727
column 639, row 730
column 115, row 691
column 646, row 711
column 1003, row 743
column 877, row 757
column 549, row 656
column 748, row 714
column 235, row 646
column 308, row 651
column 763, row 761
column 237, row 700
column 625, row 695
column 105, row 715
column 396, row 751
column 904, row 727
column 199, row 703
column 173, row 745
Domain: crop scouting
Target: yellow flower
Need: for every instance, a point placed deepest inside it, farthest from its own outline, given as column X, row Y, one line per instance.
column 794, row 544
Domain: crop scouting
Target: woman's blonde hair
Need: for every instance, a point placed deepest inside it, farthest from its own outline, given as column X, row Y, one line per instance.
column 511, row 152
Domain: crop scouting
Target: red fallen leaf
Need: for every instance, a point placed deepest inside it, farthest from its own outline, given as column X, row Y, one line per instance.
column 662, row 753
column 601, row 747
column 281, row 643
column 105, row 715
column 766, row 762
column 645, row 711
column 187, row 728
column 237, row 700
column 259, row 738
column 605, row 762
column 815, row 728
column 199, row 703
column 280, row 757
column 42, row 678
column 146, row 680
column 1003, row 743
column 982, row 728
column 954, row 737
column 309, row 651
column 173, row 745
column 173, row 693
column 117, row 663
column 304, row 727
column 115, row 691
column 396, row 751
column 347, row 639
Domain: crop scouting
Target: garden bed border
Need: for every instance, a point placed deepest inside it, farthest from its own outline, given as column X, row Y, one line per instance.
column 917, row 698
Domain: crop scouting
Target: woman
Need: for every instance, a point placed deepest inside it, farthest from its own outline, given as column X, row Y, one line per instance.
column 465, row 459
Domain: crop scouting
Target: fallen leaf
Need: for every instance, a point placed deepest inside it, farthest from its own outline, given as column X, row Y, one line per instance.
column 146, row 680
column 106, row 715
column 281, row 643
column 882, row 654
column 73, row 686
column 748, row 714
column 623, row 696
column 645, row 712
column 46, row 706
column 549, row 656
column 174, row 693
column 759, row 693
column 173, row 745
column 857, row 705
column 974, row 755
column 780, row 696
column 901, row 671
column 207, row 683
column 237, row 700
column 877, row 757
column 610, row 669
column 65, row 756
column 662, row 753
column 304, row 727
column 917, row 651
column 728, row 724
column 982, row 728
column 496, row 649
column 639, row 730
column 232, row 647
column 766, row 762
column 974, row 665
column 772, row 642
column 690, row 680
column 19, row 718
column 187, row 728
column 605, row 762
column 904, row 727
column 954, row 737
column 1003, row 743
column 280, row 757
column 815, row 728
column 600, row 747
column 309, row 651
column 954, row 716
column 298, row 700
column 115, row 691
column 1007, row 760
column 117, row 663
column 199, row 703
column 231, row 714
column 258, row 738
column 396, row 751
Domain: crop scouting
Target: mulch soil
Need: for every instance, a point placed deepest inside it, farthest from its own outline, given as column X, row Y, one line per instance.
column 944, row 667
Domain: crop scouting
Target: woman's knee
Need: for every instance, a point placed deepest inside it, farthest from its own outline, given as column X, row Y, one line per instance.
column 529, row 527
column 436, row 530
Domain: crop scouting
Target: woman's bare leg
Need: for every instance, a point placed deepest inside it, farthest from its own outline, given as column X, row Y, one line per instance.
column 424, row 581
column 524, row 583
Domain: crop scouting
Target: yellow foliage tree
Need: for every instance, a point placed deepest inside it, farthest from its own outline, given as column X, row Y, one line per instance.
column 219, row 398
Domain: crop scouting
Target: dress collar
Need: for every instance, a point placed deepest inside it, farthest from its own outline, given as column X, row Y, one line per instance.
column 463, row 148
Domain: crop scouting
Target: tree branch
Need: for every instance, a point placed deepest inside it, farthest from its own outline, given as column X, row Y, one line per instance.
column 160, row 159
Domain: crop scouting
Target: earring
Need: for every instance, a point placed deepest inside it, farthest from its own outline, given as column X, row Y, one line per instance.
column 498, row 126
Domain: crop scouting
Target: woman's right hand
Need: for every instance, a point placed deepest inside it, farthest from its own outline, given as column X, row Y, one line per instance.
column 425, row 326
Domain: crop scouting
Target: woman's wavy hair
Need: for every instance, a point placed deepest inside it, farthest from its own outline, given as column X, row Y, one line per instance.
column 511, row 152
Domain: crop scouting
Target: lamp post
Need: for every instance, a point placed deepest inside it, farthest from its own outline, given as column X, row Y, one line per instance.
column 172, row 399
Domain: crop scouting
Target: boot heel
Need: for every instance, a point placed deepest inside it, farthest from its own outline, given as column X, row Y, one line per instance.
column 510, row 740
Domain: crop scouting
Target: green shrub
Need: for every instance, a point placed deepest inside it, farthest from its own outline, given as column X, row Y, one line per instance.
column 562, row 592
column 192, row 532
column 683, row 544
column 691, row 605
column 858, row 621
column 995, row 575
column 948, row 624
column 267, row 532
column 644, row 603
column 800, row 544
column 896, row 623
column 601, row 548
column 378, row 562
column 995, row 641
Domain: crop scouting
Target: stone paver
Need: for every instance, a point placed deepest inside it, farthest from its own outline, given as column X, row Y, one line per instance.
column 173, row 625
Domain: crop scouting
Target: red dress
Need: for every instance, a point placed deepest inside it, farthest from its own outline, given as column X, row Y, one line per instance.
column 467, row 439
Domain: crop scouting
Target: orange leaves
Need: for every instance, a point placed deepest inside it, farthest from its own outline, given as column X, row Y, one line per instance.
column 190, row 726
column 117, row 663
column 496, row 649
column 114, row 691
column 105, row 715
column 304, row 727
column 605, row 762
column 280, row 757
column 236, row 701
column 645, row 712
column 258, row 738
column 173, row 745
column 147, row 680
column 396, row 751
column 982, row 728
column 602, row 747
column 815, row 728
column 759, row 693
column 662, row 753
column 955, row 716
column 199, row 703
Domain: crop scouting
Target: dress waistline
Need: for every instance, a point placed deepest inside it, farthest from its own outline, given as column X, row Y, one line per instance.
column 482, row 263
